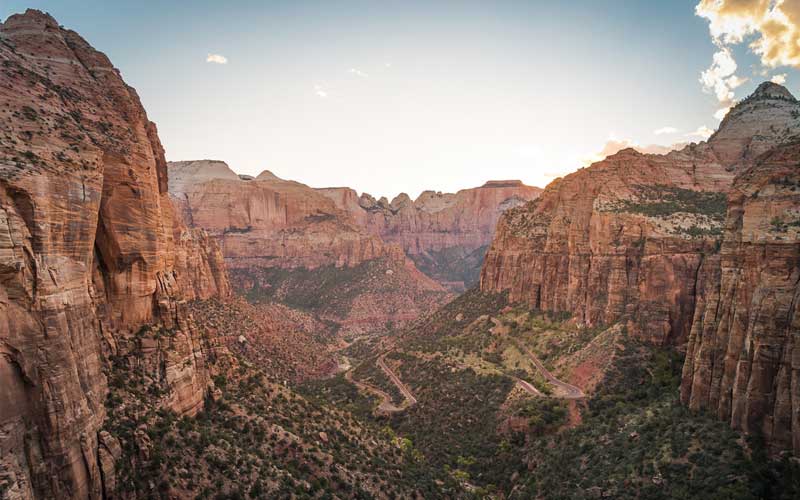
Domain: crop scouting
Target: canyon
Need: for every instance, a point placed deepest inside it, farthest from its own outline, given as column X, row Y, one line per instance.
column 445, row 234
column 271, row 231
column 636, row 239
column 175, row 329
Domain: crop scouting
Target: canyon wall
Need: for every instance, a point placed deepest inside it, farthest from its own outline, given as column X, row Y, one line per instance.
column 90, row 253
column 615, row 240
column 284, row 241
column 269, row 221
column 445, row 234
column 697, row 247
column 743, row 355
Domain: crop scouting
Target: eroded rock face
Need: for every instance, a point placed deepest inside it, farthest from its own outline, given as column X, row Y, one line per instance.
column 743, row 356
column 626, row 239
column 439, row 231
column 767, row 118
column 284, row 241
column 623, row 238
column 90, row 251
column 270, row 222
column 636, row 239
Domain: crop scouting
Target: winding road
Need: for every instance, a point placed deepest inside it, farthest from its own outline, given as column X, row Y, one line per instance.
column 386, row 406
column 562, row 390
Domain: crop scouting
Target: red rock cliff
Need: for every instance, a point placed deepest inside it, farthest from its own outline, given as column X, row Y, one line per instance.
column 89, row 252
column 439, row 231
column 272, row 230
column 270, row 222
column 626, row 238
column 743, row 356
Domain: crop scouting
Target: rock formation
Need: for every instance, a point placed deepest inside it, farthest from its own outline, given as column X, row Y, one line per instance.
column 268, row 221
column 273, row 231
column 743, row 356
column 613, row 240
column 445, row 234
column 90, row 253
column 636, row 239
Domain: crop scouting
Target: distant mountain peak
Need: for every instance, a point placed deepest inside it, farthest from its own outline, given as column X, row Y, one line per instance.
column 772, row 90
column 768, row 117
column 266, row 175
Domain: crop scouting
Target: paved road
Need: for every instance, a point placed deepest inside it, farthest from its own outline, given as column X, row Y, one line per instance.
column 563, row 390
column 386, row 405
column 528, row 387
column 407, row 394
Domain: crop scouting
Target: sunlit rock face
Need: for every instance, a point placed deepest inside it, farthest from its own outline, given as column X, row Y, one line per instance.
column 697, row 247
column 273, row 231
column 767, row 118
column 743, row 356
column 445, row 234
column 623, row 238
column 90, row 252
column 270, row 221
column 627, row 238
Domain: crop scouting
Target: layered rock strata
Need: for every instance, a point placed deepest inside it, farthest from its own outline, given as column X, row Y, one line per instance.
column 743, row 355
column 445, row 234
column 699, row 245
column 284, row 241
column 90, row 253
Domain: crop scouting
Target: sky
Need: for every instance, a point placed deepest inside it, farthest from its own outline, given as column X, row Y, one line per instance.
column 403, row 96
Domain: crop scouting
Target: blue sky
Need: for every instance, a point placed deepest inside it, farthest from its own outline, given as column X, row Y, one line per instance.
column 387, row 97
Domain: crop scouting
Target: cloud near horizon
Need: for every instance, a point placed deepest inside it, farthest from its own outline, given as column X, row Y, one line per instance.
column 779, row 79
column 216, row 59
column 772, row 28
column 665, row 130
column 614, row 146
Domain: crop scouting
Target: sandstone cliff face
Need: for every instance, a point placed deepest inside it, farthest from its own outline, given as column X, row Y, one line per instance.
column 284, row 241
column 627, row 237
column 743, row 356
column 90, row 251
column 615, row 240
column 439, row 231
column 268, row 221
column 636, row 239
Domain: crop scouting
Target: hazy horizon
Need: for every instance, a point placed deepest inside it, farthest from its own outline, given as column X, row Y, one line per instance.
column 410, row 97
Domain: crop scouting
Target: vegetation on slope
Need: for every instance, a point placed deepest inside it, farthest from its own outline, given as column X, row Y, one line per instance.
column 638, row 441
column 255, row 438
column 632, row 438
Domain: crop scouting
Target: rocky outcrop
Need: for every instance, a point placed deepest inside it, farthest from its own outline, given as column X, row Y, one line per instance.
column 444, row 233
column 627, row 238
column 614, row 240
column 699, row 245
column 766, row 119
column 743, row 355
column 284, row 241
column 90, row 253
column 268, row 221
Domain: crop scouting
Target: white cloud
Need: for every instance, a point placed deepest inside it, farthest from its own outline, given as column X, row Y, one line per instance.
column 779, row 79
column 320, row 91
column 358, row 72
column 665, row 130
column 721, row 80
column 216, row 59
column 614, row 146
column 772, row 28
column 702, row 131
column 720, row 113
